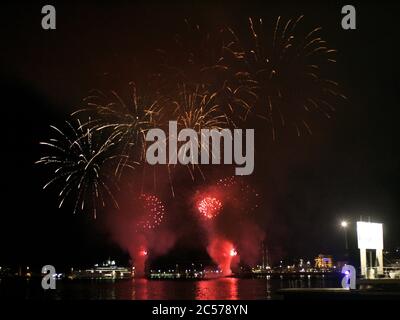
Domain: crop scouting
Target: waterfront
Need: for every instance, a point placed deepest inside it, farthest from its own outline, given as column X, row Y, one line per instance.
column 144, row 289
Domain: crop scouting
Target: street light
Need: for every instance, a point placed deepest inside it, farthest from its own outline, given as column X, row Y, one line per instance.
column 344, row 224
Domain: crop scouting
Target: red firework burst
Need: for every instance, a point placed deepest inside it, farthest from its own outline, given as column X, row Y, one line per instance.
column 153, row 212
column 209, row 207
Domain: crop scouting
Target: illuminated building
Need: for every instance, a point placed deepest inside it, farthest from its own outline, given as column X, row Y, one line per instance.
column 323, row 262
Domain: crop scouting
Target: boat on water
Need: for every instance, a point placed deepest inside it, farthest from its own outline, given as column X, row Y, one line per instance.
column 106, row 270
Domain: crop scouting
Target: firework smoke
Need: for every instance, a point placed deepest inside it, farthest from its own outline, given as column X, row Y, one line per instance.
column 139, row 258
column 223, row 254
column 225, row 210
column 138, row 228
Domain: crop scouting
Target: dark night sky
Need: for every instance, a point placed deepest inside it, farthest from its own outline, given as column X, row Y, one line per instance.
column 350, row 167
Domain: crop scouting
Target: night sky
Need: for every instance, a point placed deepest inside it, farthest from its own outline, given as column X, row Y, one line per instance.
column 348, row 168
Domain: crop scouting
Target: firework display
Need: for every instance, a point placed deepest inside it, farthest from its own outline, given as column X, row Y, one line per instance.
column 199, row 58
column 153, row 212
column 126, row 122
column 199, row 152
column 271, row 77
column 226, row 210
column 244, row 197
column 279, row 75
column 284, row 67
column 79, row 159
column 209, row 207
column 198, row 111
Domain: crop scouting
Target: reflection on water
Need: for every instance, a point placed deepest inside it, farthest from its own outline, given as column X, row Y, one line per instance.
column 143, row 289
column 217, row 289
column 139, row 289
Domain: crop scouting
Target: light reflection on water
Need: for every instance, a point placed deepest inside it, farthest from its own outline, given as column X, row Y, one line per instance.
column 143, row 289
column 217, row 289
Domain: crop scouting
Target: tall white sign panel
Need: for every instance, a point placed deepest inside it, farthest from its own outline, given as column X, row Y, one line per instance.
column 370, row 236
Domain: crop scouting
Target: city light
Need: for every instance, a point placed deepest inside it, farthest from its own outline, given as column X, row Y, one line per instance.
column 344, row 224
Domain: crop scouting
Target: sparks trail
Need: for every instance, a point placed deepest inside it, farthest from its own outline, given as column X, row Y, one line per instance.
column 191, row 109
column 277, row 74
column 126, row 122
column 203, row 60
column 79, row 159
column 285, row 68
column 153, row 212
column 197, row 110
column 194, row 109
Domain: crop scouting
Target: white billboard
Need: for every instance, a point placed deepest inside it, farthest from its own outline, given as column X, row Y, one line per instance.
column 370, row 235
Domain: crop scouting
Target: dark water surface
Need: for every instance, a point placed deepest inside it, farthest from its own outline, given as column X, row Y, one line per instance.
column 143, row 289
